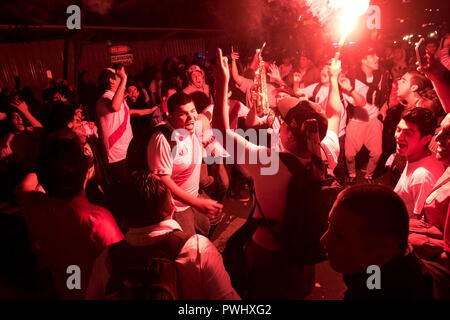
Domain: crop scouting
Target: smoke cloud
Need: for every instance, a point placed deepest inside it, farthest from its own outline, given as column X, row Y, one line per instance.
column 101, row 7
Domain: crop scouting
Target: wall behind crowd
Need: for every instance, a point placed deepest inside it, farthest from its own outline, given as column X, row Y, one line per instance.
column 31, row 60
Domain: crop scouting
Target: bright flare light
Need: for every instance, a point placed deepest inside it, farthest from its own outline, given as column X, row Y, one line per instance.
column 350, row 10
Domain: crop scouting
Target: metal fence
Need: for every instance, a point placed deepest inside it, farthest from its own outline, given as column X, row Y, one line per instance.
column 31, row 60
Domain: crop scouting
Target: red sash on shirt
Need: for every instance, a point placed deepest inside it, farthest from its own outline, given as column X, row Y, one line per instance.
column 116, row 135
column 182, row 177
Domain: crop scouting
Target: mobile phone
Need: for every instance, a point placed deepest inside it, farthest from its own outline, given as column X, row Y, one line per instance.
column 421, row 52
column 49, row 74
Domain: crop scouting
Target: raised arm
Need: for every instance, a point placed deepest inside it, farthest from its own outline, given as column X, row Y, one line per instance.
column 220, row 119
column 334, row 103
column 142, row 112
column 234, row 69
column 23, row 107
column 117, row 100
column 435, row 71
column 275, row 76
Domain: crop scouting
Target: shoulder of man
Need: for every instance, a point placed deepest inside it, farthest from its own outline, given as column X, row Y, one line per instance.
column 199, row 249
column 161, row 132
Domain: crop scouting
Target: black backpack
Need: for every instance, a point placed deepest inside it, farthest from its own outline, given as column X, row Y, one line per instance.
column 146, row 273
column 137, row 150
column 308, row 202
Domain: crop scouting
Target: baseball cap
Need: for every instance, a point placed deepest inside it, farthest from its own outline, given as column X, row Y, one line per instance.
column 194, row 68
column 295, row 112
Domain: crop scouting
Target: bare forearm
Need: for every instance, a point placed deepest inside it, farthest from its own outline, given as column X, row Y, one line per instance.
column 117, row 100
column 28, row 183
column 442, row 88
column 334, row 106
column 142, row 112
column 296, row 87
column 252, row 119
column 178, row 193
column 33, row 121
column 359, row 100
column 235, row 73
column 220, row 115
column 255, row 61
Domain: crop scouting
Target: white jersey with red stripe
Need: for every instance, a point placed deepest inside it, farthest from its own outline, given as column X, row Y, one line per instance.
column 109, row 122
column 184, row 168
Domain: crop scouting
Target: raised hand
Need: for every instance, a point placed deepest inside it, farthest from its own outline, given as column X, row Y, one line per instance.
column 334, row 68
column 345, row 84
column 297, row 77
column 210, row 207
column 274, row 73
column 21, row 105
column 234, row 54
column 221, row 69
column 121, row 73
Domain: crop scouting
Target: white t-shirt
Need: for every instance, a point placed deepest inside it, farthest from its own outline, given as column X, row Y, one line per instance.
column 369, row 111
column 322, row 97
column 271, row 190
column 417, row 181
column 115, row 127
column 236, row 110
column 199, row 264
column 184, row 168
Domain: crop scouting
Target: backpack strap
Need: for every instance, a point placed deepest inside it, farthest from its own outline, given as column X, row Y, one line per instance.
column 298, row 170
column 316, row 91
column 137, row 150
column 167, row 132
column 168, row 248
column 295, row 167
column 125, row 257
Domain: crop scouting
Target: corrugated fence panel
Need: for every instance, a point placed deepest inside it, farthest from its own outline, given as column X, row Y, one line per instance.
column 31, row 60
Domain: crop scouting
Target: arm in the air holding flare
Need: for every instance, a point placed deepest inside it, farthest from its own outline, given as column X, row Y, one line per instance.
column 334, row 103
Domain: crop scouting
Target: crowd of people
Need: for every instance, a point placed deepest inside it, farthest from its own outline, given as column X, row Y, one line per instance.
column 115, row 177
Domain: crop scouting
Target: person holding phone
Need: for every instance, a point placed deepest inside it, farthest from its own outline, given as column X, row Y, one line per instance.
column 436, row 72
column 444, row 50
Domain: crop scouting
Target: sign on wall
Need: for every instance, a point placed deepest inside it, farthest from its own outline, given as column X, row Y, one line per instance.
column 121, row 53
